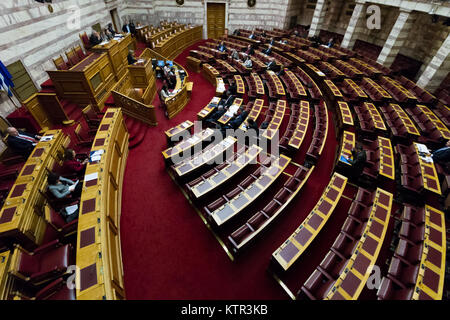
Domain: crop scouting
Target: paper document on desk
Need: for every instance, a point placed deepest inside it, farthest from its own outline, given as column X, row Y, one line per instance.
column 193, row 139
column 96, row 155
column 427, row 159
column 46, row 138
column 422, row 148
column 141, row 61
column 185, row 125
column 91, row 176
column 72, row 187
column 71, row 209
column 103, row 43
column 320, row 73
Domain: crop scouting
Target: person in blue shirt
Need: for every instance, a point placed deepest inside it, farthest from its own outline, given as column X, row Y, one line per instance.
column 222, row 47
column 442, row 155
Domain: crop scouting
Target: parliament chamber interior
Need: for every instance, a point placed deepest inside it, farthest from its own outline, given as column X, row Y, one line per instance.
column 124, row 174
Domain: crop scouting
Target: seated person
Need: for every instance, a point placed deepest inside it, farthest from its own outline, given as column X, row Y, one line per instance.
column 221, row 47
column 268, row 50
column 251, row 124
column 249, row 50
column 108, row 34
column 111, row 30
column 271, row 65
column 271, row 41
column 330, row 43
column 442, row 155
column 214, row 116
column 232, row 89
column 252, row 35
column 21, row 142
column 72, row 164
column 61, row 187
column 358, row 162
column 131, row 58
column 248, row 62
column 237, row 121
column 95, row 38
column 163, row 95
column 171, row 78
column 234, row 54
column 236, row 32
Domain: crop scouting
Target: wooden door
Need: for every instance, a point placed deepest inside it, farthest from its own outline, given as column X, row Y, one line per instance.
column 215, row 20
column 24, row 86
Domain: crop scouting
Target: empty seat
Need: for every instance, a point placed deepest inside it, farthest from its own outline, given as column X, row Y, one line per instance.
column 403, row 274
column 388, row 290
column 316, row 287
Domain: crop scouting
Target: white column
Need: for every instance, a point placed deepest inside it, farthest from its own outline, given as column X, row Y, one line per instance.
column 317, row 20
column 397, row 37
column 354, row 26
column 437, row 69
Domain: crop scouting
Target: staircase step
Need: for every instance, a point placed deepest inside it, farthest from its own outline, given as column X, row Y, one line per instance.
column 47, row 84
column 139, row 138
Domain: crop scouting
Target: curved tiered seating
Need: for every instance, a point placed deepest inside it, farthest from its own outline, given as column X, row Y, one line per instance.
column 293, row 85
column 352, row 91
column 399, row 122
column 397, row 90
column 370, row 120
column 298, row 135
column 313, row 89
column 344, row 271
column 275, row 118
column 433, row 130
column 309, row 229
column 320, row 133
column 417, row 269
column 349, row 70
column 229, row 205
column 374, row 90
column 274, row 85
column 254, row 112
column 260, row 221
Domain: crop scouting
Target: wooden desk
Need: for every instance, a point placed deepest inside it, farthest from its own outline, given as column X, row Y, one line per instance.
column 117, row 51
column 335, row 92
column 359, row 267
column 396, row 84
column 142, row 74
column 347, row 65
column 178, row 41
column 378, row 88
column 375, row 116
column 254, row 113
column 296, row 60
column 429, row 174
column 88, row 82
column 175, row 154
column 302, row 126
column 360, row 92
column 276, row 121
column 98, row 254
column 232, row 110
column 407, row 122
column 173, row 134
column 374, row 71
column 317, row 74
column 220, row 86
column 346, row 115
column 229, row 69
column 211, row 154
column 277, row 82
column 430, row 281
column 226, row 173
column 386, row 165
column 436, row 121
column 329, row 66
column 19, row 221
column 210, row 73
column 206, row 111
column 309, row 229
column 347, row 145
column 240, row 84
column 297, row 84
column 7, row 282
column 251, row 193
column 180, row 95
column 258, row 83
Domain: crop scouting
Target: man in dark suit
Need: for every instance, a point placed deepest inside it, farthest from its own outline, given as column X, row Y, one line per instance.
column 249, row 50
column 358, row 162
column 442, row 155
column 126, row 27
column 131, row 58
column 95, row 38
column 21, row 142
column 111, row 29
column 132, row 28
column 237, row 121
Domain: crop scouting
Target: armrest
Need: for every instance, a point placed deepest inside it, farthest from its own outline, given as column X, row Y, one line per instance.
column 348, row 235
column 45, row 247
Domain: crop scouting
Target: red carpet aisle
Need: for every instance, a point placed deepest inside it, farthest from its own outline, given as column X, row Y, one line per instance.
column 168, row 253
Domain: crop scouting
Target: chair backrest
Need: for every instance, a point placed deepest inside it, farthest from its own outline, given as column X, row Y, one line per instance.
column 79, row 51
column 72, row 57
column 60, row 63
column 85, row 40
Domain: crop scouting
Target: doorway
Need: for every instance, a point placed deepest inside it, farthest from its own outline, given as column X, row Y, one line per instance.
column 115, row 20
column 215, row 20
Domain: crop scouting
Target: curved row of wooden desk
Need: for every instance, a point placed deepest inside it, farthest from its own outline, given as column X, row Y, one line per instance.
column 19, row 221
column 177, row 42
column 99, row 274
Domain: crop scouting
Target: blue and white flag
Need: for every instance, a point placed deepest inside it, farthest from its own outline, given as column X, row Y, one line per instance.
column 5, row 79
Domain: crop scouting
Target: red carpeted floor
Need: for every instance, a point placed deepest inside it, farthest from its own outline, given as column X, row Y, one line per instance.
column 168, row 252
